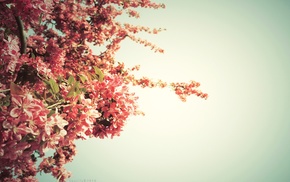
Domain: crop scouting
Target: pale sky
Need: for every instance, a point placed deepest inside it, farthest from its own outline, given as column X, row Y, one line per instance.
column 239, row 52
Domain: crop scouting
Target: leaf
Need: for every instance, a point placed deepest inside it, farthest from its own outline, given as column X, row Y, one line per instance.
column 59, row 78
column 92, row 76
column 70, row 80
column 53, row 85
column 82, row 78
column 37, row 95
column 71, row 93
column 75, row 90
column 72, row 90
column 5, row 101
column 99, row 73
column 49, row 100
column 40, row 18
column 84, row 90
column 77, row 84
column 46, row 82
column 51, row 112
column 15, row 89
column 32, row 55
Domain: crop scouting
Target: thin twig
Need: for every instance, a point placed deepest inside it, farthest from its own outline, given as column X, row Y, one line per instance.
column 5, row 90
column 21, row 35
column 53, row 105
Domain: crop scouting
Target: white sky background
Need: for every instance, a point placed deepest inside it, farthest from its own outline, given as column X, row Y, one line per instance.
column 239, row 52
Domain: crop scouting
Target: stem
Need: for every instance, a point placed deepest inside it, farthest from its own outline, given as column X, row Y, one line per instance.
column 21, row 35
column 5, row 90
column 53, row 105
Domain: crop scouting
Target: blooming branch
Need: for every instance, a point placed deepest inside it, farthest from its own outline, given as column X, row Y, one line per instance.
column 55, row 90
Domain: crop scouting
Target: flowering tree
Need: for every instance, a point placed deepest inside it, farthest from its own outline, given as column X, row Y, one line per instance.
column 54, row 90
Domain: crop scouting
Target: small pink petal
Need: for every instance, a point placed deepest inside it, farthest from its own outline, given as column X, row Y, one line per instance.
column 1, row 152
column 15, row 112
column 6, row 125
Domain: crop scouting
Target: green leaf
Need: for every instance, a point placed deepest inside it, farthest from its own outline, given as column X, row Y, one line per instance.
column 49, row 100
column 37, row 95
column 32, row 55
column 77, row 84
column 70, row 80
column 77, row 88
column 84, row 90
column 5, row 101
column 99, row 73
column 71, row 92
column 53, row 85
column 40, row 18
column 59, row 78
column 92, row 76
column 51, row 112
column 46, row 82
column 83, row 78
column 74, row 90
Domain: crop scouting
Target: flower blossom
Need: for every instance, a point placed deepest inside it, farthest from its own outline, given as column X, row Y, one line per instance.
column 24, row 106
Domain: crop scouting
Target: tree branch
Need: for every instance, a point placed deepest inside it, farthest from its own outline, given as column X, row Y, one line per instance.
column 21, row 35
column 5, row 90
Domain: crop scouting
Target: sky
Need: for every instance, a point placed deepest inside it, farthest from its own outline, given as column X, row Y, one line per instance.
column 239, row 52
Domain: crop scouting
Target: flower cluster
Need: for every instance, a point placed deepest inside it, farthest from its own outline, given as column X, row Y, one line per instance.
column 186, row 89
column 54, row 90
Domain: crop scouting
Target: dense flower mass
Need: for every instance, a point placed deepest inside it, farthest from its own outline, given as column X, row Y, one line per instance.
column 54, row 90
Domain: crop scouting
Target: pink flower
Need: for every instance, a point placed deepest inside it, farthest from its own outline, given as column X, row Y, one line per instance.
column 56, row 120
column 24, row 106
column 12, row 51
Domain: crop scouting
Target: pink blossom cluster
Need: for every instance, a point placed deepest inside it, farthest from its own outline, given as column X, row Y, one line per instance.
column 186, row 89
column 54, row 90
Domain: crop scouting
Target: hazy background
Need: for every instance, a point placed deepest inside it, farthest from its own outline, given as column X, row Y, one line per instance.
column 239, row 52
